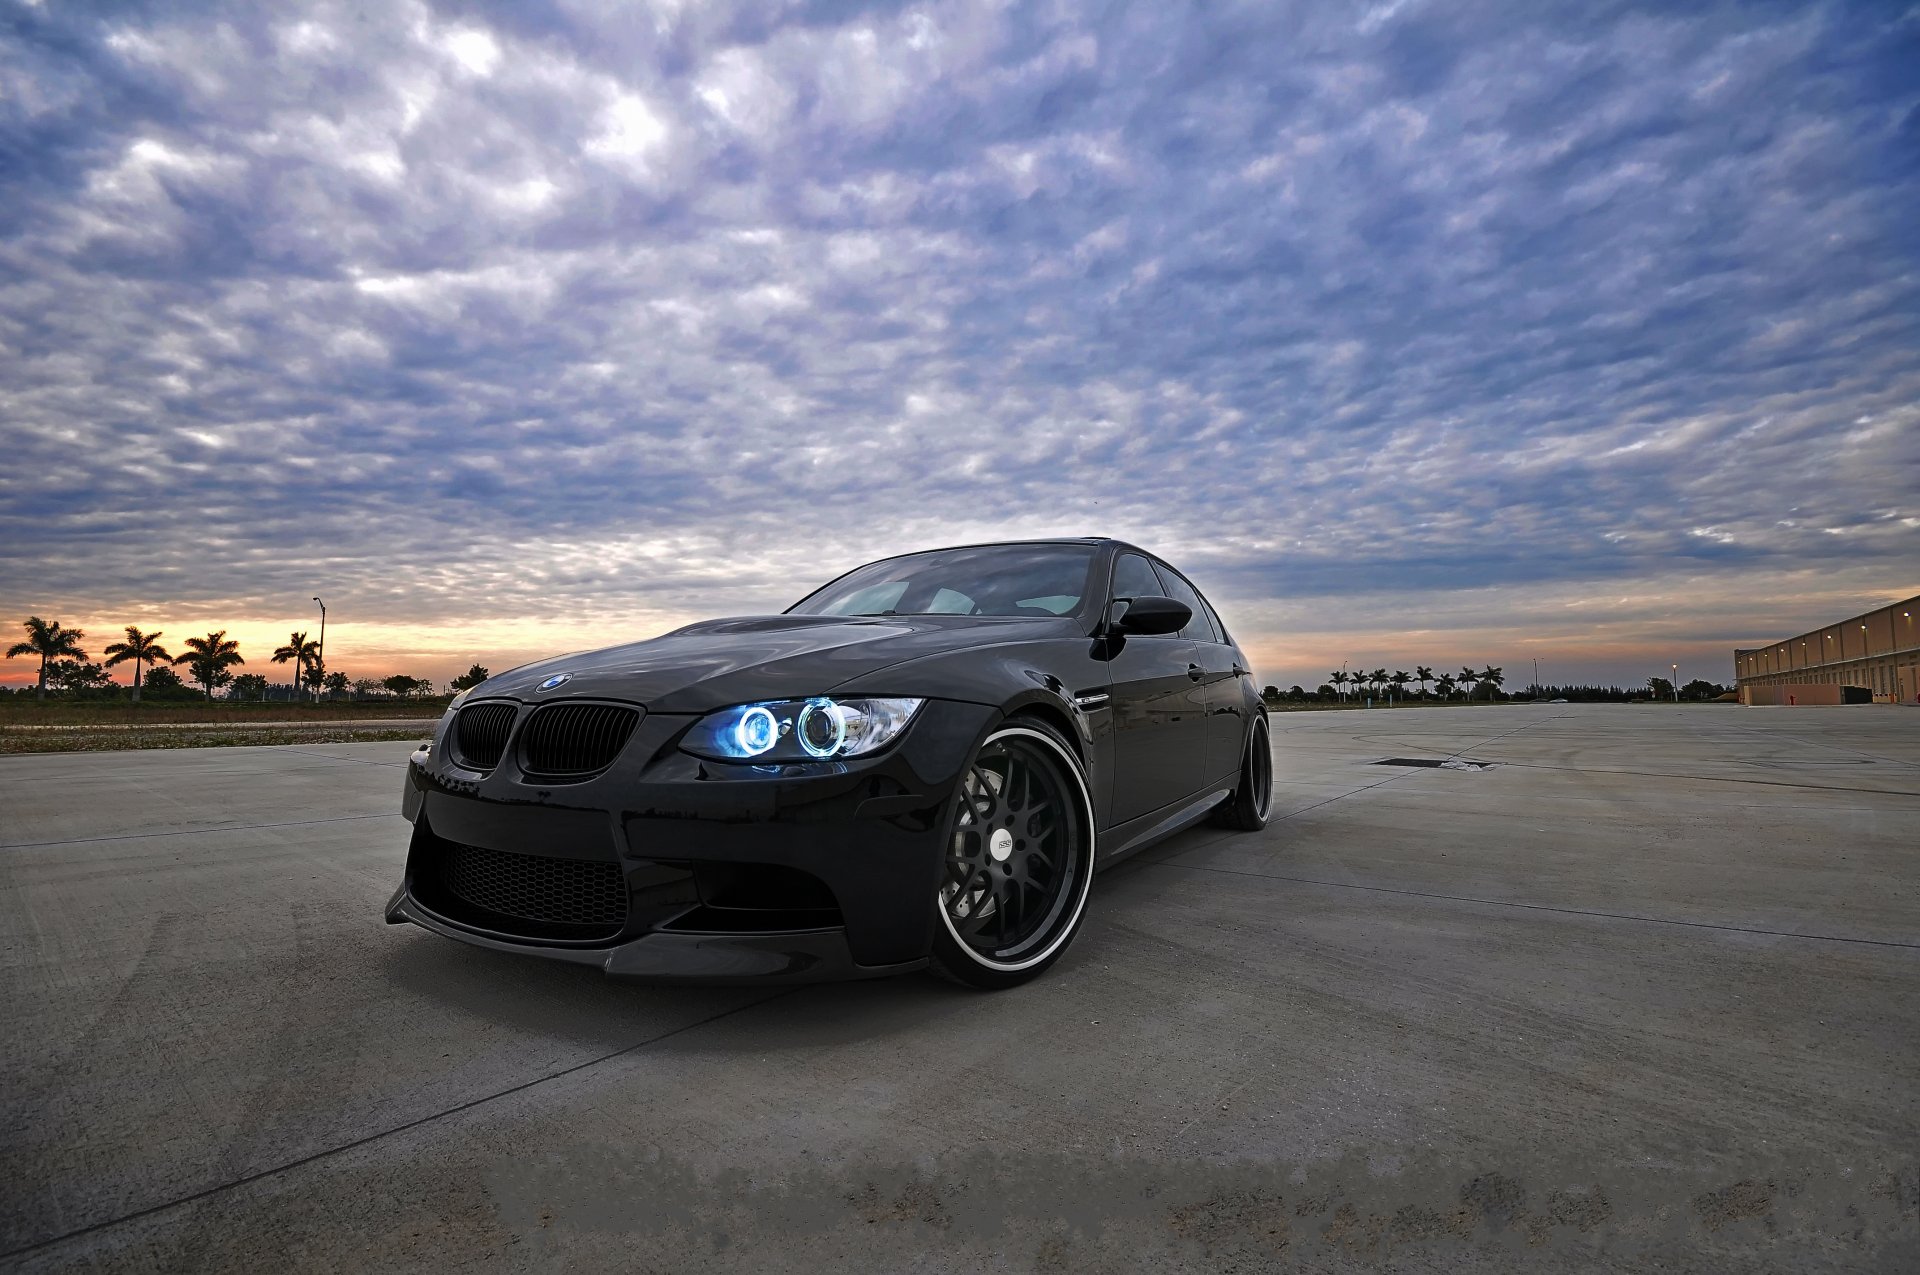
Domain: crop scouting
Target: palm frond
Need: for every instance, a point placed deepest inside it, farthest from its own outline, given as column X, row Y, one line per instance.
column 48, row 639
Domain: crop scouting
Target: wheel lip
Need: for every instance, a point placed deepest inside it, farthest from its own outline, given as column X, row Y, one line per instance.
column 1265, row 803
column 1086, row 884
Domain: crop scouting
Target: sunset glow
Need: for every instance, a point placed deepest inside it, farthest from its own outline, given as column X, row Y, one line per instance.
column 1424, row 335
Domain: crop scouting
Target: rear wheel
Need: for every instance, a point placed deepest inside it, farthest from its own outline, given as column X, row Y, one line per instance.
column 1019, row 860
column 1252, row 800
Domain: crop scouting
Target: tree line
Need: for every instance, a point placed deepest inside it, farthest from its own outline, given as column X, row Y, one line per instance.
column 209, row 661
column 1470, row 682
column 1698, row 689
column 1475, row 684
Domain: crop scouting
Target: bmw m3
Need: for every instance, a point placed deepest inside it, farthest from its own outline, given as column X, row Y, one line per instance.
column 923, row 763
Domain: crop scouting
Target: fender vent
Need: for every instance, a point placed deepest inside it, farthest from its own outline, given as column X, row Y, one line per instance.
column 571, row 741
column 480, row 734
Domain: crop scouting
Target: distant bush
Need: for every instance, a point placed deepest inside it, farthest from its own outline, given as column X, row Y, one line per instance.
column 1588, row 694
column 162, row 683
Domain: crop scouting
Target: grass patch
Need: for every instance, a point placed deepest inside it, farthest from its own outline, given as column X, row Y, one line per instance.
column 120, row 738
column 23, row 710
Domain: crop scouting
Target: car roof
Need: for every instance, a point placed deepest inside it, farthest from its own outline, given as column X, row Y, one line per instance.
column 1037, row 540
column 1096, row 542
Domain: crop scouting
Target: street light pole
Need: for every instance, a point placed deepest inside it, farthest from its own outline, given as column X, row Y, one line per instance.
column 1676, row 683
column 323, row 643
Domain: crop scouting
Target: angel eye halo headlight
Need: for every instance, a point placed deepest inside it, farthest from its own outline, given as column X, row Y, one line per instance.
column 754, row 732
column 816, row 729
column 821, row 728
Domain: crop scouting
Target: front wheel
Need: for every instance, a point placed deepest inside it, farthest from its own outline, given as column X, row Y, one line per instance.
column 1252, row 799
column 1019, row 860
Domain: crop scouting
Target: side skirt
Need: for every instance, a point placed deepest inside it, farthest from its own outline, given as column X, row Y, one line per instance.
column 1135, row 835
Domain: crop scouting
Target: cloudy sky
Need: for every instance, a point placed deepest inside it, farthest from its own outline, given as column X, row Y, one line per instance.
column 1419, row 332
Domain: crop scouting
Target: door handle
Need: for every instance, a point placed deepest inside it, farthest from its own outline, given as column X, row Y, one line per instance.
column 1195, row 672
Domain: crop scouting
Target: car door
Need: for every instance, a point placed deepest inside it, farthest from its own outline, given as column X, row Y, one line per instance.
column 1157, row 706
column 1223, row 701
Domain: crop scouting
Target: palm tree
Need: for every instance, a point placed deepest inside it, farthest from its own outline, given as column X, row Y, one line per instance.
column 48, row 640
column 142, row 649
column 1339, row 680
column 1444, row 684
column 1377, row 678
column 1400, row 679
column 302, row 652
column 336, row 685
column 1494, row 677
column 1467, row 678
column 209, row 658
column 1422, row 674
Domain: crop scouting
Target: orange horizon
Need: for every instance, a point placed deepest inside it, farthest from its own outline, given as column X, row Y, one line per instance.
column 440, row 652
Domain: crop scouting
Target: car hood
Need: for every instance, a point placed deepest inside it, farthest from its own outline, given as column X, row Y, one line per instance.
column 733, row 661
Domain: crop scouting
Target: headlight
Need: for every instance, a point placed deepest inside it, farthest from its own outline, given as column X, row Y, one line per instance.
column 817, row 729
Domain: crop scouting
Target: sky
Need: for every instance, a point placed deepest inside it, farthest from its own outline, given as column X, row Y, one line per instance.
column 1430, row 333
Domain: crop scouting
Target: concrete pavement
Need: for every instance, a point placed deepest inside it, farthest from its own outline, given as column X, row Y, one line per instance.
column 1643, row 992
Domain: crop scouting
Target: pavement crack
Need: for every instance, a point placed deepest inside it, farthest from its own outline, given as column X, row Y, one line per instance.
column 1708, row 779
column 358, row 761
column 1532, row 907
column 458, row 1108
column 194, row 832
column 1831, row 748
column 1293, row 814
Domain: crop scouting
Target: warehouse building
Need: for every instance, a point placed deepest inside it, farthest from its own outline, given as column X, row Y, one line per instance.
column 1874, row 657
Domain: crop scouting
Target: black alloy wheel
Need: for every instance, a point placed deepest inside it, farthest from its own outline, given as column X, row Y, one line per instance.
column 1251, row 801
column 1013, row 888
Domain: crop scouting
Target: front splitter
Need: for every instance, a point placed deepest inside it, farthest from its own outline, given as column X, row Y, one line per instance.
column 794, row 956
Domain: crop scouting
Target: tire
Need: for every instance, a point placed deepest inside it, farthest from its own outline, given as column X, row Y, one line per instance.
column 1246, row 810
column 1019, row 860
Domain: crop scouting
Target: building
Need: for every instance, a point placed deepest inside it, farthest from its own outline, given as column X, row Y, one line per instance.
column 1876, row 654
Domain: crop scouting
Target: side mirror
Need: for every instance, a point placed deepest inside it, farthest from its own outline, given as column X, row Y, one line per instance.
column 1148, row 616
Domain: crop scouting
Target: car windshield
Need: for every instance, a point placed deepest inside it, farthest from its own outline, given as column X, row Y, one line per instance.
column 1034, row 580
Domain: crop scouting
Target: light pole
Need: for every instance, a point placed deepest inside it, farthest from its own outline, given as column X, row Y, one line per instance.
column 1676, row 683
column 323, row 644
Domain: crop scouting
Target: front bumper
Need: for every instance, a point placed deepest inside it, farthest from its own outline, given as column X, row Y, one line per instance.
column 702, row 849
column 800, row 956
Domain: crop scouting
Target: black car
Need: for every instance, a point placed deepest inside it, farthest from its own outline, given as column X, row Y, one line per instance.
column 922, row 762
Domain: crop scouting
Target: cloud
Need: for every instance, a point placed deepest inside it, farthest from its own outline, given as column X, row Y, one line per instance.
column 481, row 314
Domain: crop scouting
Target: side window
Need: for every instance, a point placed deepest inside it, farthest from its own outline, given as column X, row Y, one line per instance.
column 1213, row 617
column 950, row 602
column 1199, row 629
column 1133, row 577
column 873, row 599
